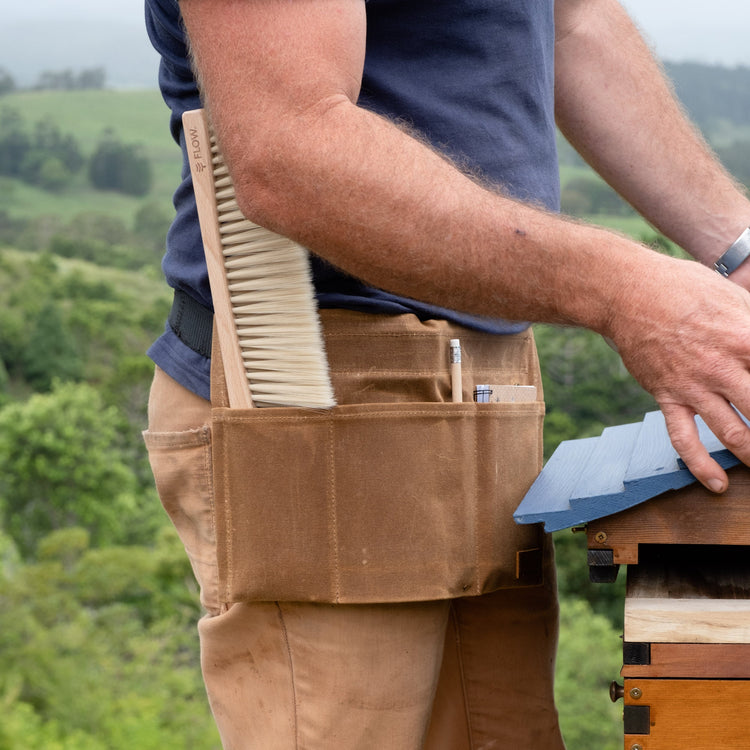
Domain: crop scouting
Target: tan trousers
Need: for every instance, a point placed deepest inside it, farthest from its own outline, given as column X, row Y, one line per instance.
column 451, row 674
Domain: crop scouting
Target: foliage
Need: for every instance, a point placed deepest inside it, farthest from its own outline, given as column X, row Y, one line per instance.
column 98, row 646
column 712, row 93
column 98, row 650
column 100, row 237
column 119, row 166
column 105, row 314
column 586, row 386
column 589, row 659
column 50, row 351
column 60, row 466
column 45, row 157
column 736, row 157
column 49, row 158
column 150, row 226
column 108, row 318
column 573, row 579
column 94, row 236
column 7, row 83
column 583, row 196
column 67, row 80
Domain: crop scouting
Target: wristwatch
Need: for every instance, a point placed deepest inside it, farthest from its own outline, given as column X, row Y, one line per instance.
column 735, row 256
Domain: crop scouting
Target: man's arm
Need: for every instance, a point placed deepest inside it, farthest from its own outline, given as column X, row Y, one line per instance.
column 615, row 106
column 280, row 80
column 621, row 114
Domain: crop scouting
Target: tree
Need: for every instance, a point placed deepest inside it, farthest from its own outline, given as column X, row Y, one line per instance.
column 51, row 80
column 118, row 166
column 50, row 351
column 586, row 380
column 60, row 465
column 7, row 84
column 47, row 158
column 588, row 195
column 50, row 140
column 4, row 380
column 573, row 581
column 737, row 160
column 14, row 142
column 99, row 651
column 67, row 80
column 92, row 78
column 53, row 175
column 712, row 93
column 589, row 658
column 151, row 224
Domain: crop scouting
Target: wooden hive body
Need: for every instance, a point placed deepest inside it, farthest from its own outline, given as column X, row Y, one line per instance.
column 686, row 645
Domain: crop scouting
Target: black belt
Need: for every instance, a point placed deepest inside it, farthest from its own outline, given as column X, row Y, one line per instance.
column 192, row 323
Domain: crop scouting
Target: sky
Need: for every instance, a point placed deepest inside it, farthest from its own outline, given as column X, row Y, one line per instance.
column 122, row 10
column 679, row 30
column 38, row 35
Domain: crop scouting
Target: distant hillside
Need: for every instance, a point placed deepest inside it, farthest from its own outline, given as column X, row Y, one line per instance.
column 135, row 117
column 713, row 95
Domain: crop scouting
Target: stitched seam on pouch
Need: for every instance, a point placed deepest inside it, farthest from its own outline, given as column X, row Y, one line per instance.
column 178, row 438
column 477, row 520
column 333, row 519
column 228, row 523
column 208, row 469
column 504, row 410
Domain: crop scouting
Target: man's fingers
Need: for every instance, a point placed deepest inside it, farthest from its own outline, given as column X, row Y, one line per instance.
column 683, row 433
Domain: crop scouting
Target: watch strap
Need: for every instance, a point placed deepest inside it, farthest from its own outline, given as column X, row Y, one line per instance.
column 737, row 253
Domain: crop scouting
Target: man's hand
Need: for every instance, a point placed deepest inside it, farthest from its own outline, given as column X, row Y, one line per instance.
column 684, row 333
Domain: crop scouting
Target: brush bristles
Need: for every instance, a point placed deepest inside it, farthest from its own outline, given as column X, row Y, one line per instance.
column 273, row 303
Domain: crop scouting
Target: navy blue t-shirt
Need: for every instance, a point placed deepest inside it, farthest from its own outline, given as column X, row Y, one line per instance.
column 475, row 77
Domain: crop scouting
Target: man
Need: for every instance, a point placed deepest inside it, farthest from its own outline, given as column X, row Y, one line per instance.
column 409, row 144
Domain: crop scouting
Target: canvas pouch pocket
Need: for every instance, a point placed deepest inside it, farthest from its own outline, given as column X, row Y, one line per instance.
column 380, row 502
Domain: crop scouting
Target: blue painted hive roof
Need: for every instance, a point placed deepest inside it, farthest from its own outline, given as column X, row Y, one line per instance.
column 595, row 477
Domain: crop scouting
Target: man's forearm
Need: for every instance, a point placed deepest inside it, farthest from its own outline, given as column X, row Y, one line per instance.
column 371, row 198
column 384, row 207
column 615, row 106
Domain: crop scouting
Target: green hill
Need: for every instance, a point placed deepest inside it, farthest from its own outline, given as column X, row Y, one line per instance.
column 717, row 98
column 135, row 117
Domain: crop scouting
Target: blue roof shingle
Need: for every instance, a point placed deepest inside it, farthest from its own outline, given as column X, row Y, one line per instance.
column 595, row 477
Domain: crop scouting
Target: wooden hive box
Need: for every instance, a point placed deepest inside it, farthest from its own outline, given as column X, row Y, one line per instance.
column 686, row 649
column 686, row 645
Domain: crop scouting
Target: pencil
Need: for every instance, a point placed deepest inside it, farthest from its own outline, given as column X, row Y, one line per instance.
column 455, row 360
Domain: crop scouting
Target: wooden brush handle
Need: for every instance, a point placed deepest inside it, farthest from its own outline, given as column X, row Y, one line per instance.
column 198, row 139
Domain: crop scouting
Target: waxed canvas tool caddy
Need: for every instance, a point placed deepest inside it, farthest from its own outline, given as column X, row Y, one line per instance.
column 394, row 494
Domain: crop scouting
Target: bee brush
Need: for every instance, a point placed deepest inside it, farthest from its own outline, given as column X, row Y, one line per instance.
column 266, row 315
